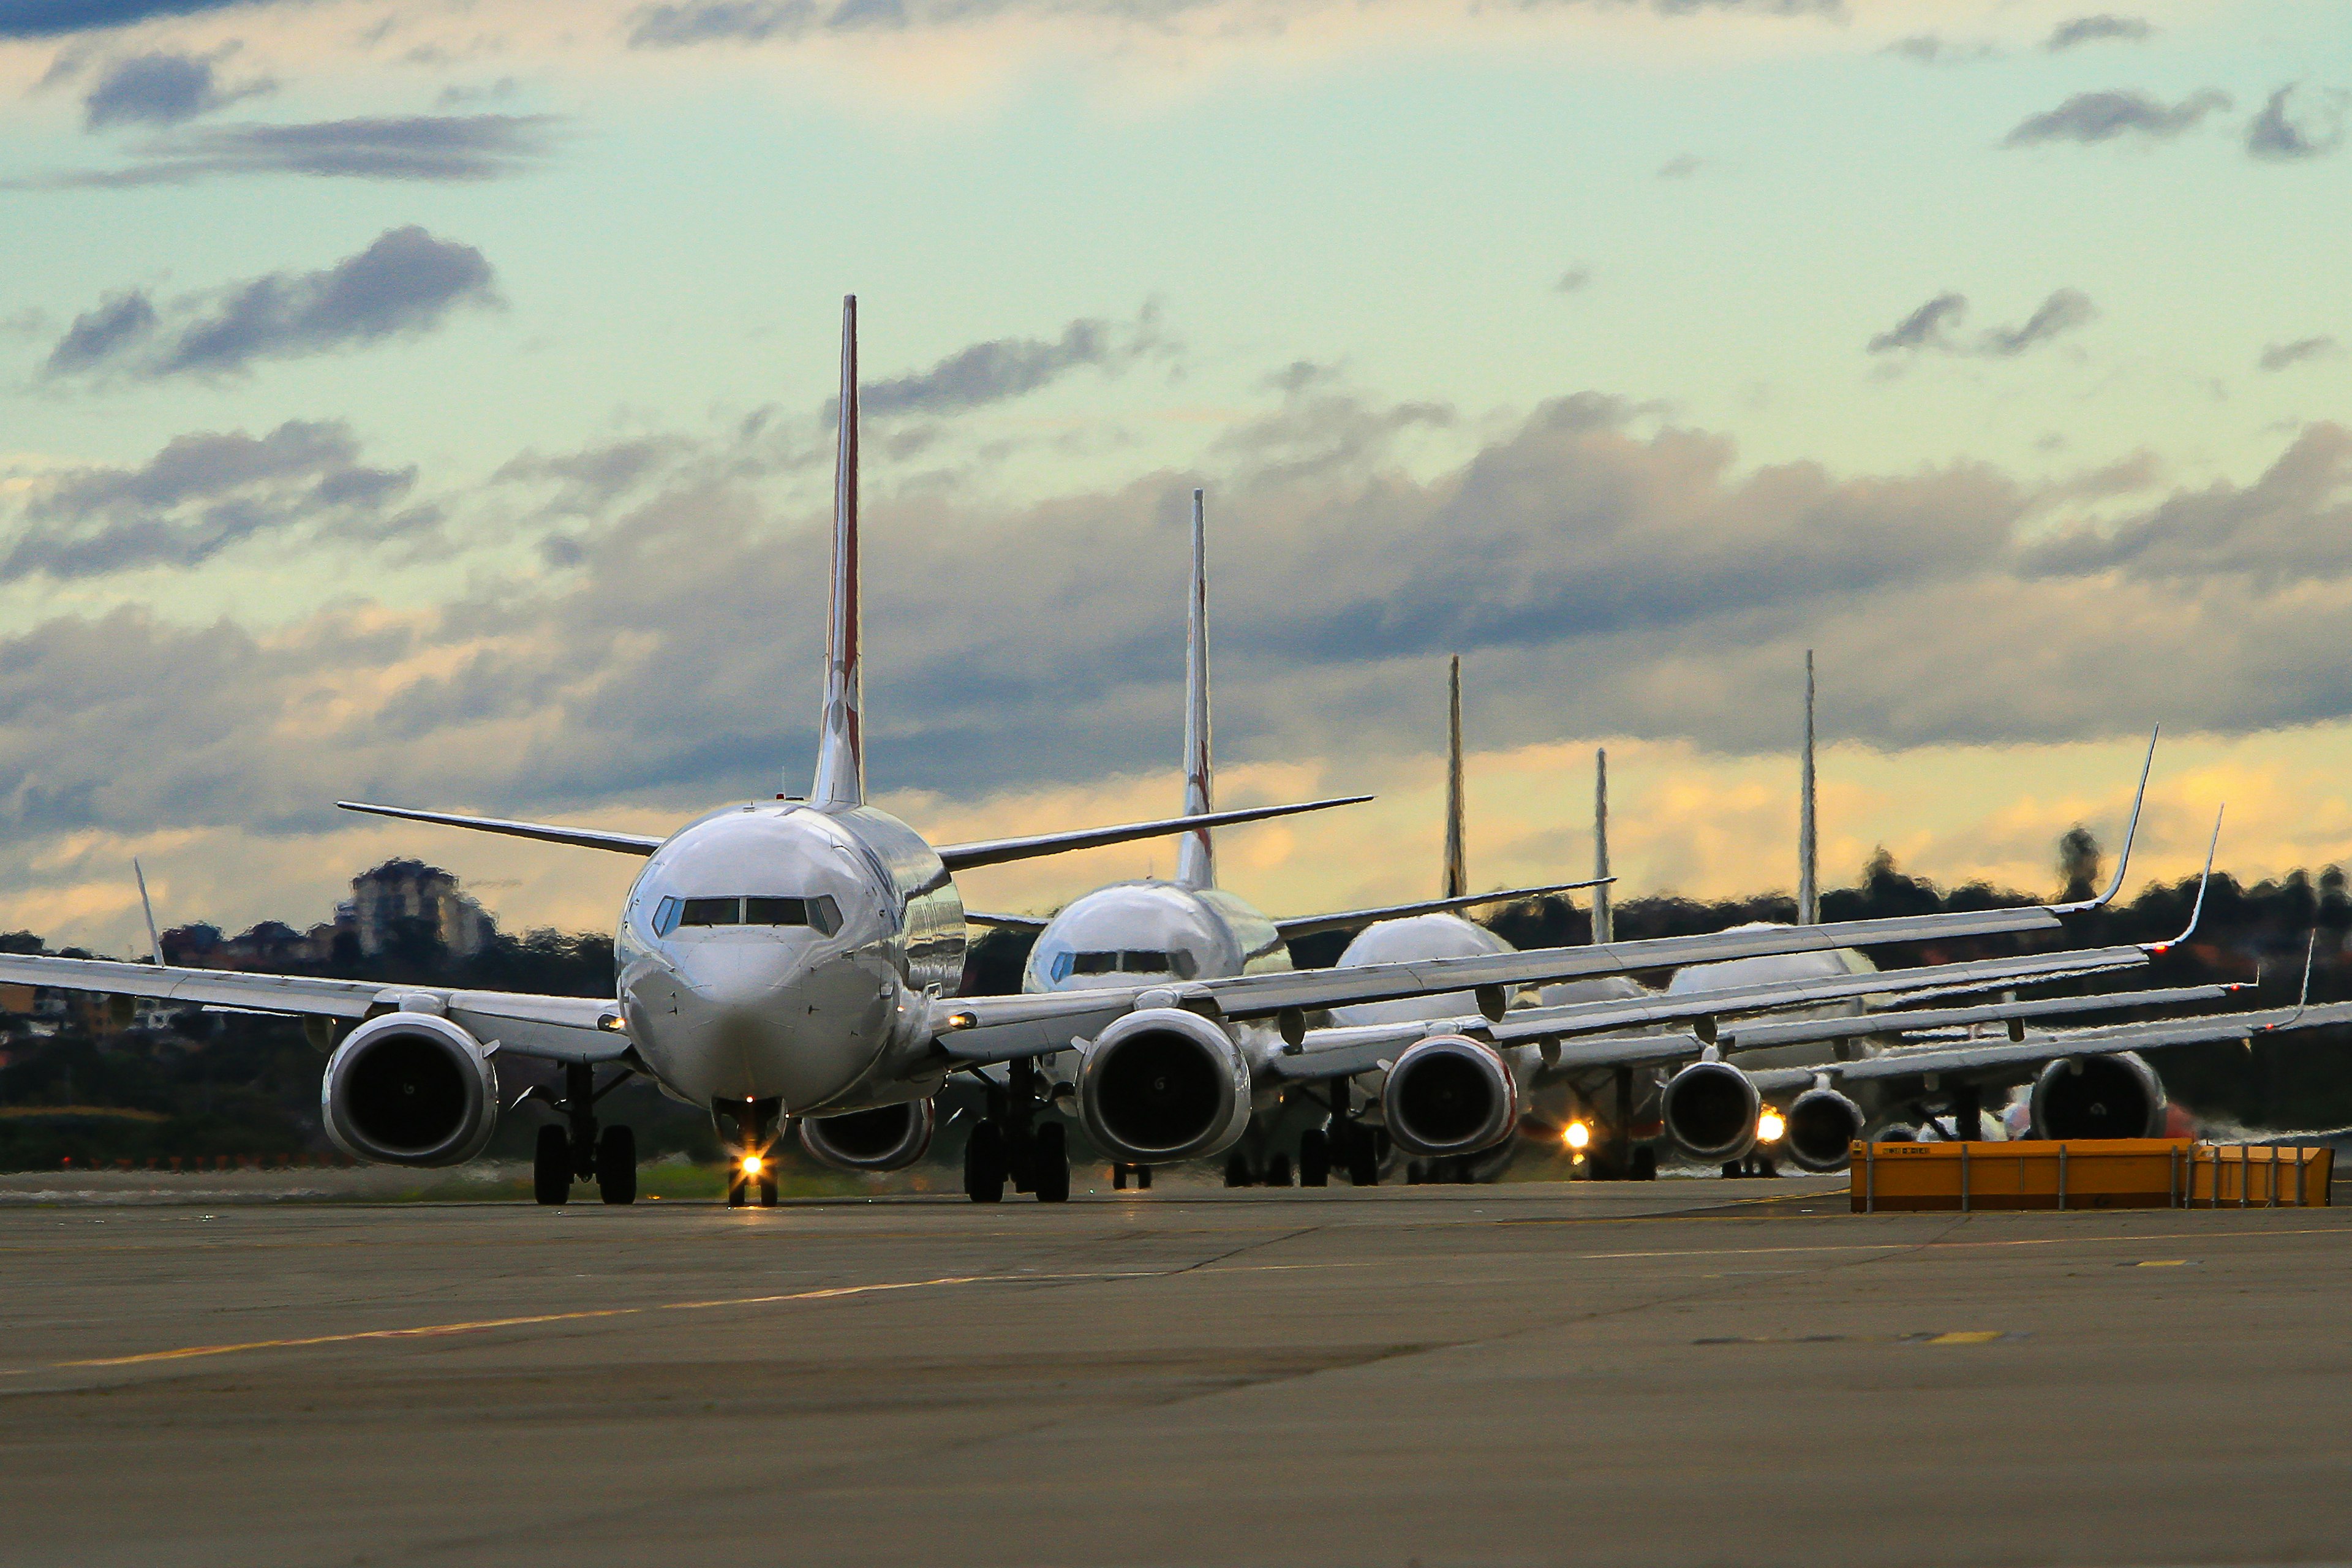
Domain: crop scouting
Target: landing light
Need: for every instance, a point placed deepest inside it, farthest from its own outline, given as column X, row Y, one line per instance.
column 1577, row 1135
column 753, row 1165
column 1769, row 1126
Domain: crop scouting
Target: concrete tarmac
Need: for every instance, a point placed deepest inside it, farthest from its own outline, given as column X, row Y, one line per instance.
column 1668, row 1373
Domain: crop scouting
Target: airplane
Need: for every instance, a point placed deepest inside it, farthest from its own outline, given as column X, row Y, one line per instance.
column 1186, row 927
column 793, row 961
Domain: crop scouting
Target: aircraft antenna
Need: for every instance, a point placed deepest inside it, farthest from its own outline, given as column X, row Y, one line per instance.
column 841, row 742
column 1196, row 854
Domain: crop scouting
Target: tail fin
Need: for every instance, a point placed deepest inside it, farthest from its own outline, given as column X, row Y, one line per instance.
column 1809, row 900
column 1196, row 854
column 1457, row 872
column 1604, row 923
column 841, row 742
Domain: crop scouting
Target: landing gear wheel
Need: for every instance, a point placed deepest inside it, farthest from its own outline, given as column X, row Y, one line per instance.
column 1117, row 1177
column 1237, row 1171
column 1142, row 1178
column 1645, row 1165
column 1313, row 1158
column 616, row 1165
column 984, row 1164
column 767, row 1192
column 1734, row 1169
column 1363, row 1159
column 1277, row 1171
column 550, row 1167
column 1049, row 1164
column 739, row 1193
column 1416, row 1173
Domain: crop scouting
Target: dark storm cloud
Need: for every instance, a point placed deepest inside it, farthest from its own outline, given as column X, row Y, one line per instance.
column 2274, row 138
column 406, row 282
column 1009, row 367
column 1923, row 326
column 54, row 18
column 159, row 89
column 2278, row 356
column 2096, row 29
column 464, row 147
column 2103, row 115
column 204, row 494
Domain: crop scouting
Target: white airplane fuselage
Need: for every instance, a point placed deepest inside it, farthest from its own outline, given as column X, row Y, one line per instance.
column 815, row 992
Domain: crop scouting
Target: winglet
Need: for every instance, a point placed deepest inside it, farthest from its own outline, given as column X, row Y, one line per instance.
column 1196, row 853
column 841, row 740
column 2158, row 949
column 1457, row 871
column 2131, row 830
column 1604, row 922
column 2303, row 1000
column 1808, row 898
column 147, row 906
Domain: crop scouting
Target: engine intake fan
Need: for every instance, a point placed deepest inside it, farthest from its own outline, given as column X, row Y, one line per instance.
column 1450, row 1094
column 888, row 1138
column 410, row 1088
column 1710, row 1108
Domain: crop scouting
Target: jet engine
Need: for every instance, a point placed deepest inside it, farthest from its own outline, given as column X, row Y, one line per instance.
column 410, row 1088
column 1710, row 1108
column 2114, row 1095
column 888, row 1138
column 1162, row 1084
column 1822, row 1126
column 1449, row 1095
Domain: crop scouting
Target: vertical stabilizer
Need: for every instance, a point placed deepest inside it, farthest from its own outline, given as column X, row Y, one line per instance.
column 1196, row 854
column 1604, row 923
column 841, row 742
column 1809, row 900
column 147, row 907
column 1457, row 873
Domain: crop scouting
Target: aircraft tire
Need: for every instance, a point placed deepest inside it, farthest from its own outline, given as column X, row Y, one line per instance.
column 1117, row 1177
column 1313, row 1158
column 1142, row 1178
column 984, row 1164
column 739, row 1193
column 1237, row 1171
column 616, row 1165
column 1645, row 1165
column 767, row 1192
column 550, row 1168
column 1049, row 1164
column 1277, row 1171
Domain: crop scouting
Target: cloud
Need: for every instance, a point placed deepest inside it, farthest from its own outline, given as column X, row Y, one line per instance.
column 159, row 89
column 1574, row 280
column 55, row 18
column 2273, row 137
column 1005, row 368
column 2278, row 356
column 2062, row 312
column 405, row 283
column 2102, row 116
column 1923, row 326
column 204, row 494
column 421, row 147
column 1928, row 327
column 1681, row 166
column 2095, row 29
column 1932, row 49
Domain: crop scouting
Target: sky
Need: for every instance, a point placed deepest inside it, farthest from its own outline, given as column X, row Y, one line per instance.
column 432, row 403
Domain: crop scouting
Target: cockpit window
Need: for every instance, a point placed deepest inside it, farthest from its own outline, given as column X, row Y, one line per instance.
column 1124, row 961
column 820, row 913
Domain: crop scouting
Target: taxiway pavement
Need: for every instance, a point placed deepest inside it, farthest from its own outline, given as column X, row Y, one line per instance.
column 1668, row 1373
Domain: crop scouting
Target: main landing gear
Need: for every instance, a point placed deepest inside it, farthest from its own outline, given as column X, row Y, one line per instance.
column 1120, row 1172
column 1013, row 1142
column 752, row 1171
column 576, row 1151
column 1614, row 1156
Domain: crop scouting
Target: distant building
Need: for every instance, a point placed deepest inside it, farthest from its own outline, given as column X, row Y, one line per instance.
column 398, row 893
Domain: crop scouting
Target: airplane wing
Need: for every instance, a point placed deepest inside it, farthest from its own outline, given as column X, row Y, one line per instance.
column 1764, row 1034
column 577, row 838
column 563, row 1028
column 996, row 1028
column 1006, row 922
column 1309, row 925
column 993, row 851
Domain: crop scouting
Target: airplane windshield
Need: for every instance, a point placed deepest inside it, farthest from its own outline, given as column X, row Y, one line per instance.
column 820, row 913
column 1125, row 961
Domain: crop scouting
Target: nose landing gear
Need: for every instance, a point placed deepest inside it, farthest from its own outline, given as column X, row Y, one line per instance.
column 752, row 1171
column 575, row 1151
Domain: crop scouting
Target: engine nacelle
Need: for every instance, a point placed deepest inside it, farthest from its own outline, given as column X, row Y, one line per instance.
column 1164, row 1084
column 1710, row 1108
column 1822, row 1126
column 410, row 1088
column 1449, row 1095
column 888, row 1138
column 2114, row 1095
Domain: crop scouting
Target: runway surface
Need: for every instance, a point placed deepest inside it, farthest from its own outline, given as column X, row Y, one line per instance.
column 1677, row 1373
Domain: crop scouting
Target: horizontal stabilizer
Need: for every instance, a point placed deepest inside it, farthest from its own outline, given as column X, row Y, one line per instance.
column 579, row 838
column 995, row 851
column 1309, row 925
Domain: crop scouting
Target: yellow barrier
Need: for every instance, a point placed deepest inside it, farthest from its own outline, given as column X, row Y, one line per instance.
column 2087, row 1174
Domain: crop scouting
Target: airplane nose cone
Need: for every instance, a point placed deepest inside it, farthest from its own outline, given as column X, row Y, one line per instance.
column 770, row 1021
